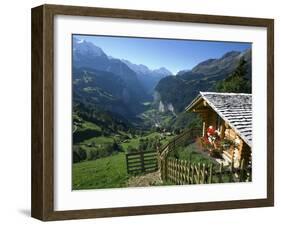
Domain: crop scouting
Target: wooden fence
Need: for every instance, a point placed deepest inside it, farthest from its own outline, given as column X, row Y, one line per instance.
column 141, row 162
column 186, row 137
column 184, row 172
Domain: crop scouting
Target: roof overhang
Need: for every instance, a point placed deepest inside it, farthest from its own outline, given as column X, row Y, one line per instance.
column 201, row 97
column 195, row 101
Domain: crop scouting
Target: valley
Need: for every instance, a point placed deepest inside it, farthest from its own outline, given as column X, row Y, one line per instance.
column 120, row 107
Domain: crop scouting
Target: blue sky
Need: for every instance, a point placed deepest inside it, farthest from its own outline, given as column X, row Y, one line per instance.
column 173, row 54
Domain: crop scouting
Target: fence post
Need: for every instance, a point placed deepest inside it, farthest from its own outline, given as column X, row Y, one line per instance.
column 165, row 165
column 192, row 174
column 188, row 172
column 174, row 171
column 220, row 173
column 250, row 175
column 177, row 172
column 203, row 175
column 185, row 172
column 142, row 162
column 231, row 171
column 211, row 173
column 127, row 163
column 241, row 176
column 198, row 173
column 160, row 163
column 180, row 171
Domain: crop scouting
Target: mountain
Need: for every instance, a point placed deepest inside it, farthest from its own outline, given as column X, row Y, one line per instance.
column 82, row 47
column 88, row 56
column 138, row 77
column 138, row 68
column 142, row 69
column 148, row 78
column 105, row 91
column 177, row 92
column 162, row 71
column 122, row 90
column 111, row 85
column 182, row 71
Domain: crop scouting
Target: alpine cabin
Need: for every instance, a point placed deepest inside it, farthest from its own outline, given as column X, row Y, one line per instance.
column 226, row 124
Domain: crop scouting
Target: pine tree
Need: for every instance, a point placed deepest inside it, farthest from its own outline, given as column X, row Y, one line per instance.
column 237, row 81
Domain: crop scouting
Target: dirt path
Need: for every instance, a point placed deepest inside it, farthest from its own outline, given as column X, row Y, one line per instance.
column 145, row 180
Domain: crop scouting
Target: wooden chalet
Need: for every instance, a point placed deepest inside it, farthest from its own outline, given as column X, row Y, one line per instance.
column 230, row 114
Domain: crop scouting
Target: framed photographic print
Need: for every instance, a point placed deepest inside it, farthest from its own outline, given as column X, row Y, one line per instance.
column 141, row 112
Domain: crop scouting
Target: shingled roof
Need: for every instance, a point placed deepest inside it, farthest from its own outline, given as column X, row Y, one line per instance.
column 234, row 108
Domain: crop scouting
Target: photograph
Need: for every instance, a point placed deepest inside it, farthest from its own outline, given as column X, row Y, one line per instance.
column 156, row 112
column 145, row 111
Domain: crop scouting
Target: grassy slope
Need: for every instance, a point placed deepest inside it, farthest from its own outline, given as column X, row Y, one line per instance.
column 134, row 142
column 109, row 172
column 88, row 125
column 84, row 125
column 191, row 153
column 99, row 140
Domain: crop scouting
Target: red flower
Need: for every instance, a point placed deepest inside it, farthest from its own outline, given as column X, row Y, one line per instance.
column 211, row 131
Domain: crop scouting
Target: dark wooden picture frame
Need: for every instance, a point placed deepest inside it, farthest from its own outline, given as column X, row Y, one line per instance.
column 43, row 112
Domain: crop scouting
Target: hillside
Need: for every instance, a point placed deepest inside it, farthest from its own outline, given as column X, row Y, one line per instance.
column 177, row 91
column 148, row 78
column 121, row 107
column 118, row 106
column 138, row 78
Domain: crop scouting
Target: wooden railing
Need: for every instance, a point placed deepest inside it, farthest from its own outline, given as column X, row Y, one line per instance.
column 184, row 172
column 141, row 162
column 187, row 137
column 144, row 162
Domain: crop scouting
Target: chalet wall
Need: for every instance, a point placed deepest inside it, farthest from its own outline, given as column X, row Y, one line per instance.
column 208, row 118
column 237, row 152
column 229, row 133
